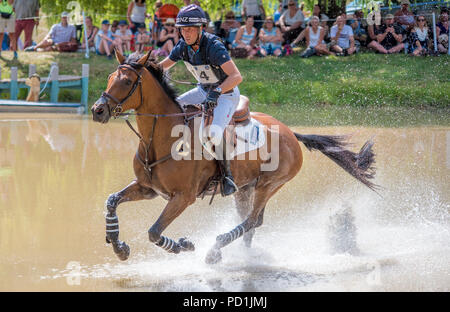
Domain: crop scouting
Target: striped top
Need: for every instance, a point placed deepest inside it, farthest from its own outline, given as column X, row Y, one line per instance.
column 246, row 37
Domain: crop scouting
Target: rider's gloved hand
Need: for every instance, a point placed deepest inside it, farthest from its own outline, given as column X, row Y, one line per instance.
column 211, row 100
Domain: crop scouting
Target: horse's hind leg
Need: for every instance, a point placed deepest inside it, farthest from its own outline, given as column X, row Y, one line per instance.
column 132, row 192
column 261, row 196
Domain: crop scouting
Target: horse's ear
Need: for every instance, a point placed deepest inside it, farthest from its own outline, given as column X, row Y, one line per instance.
column 143, row 60
column 120, row 58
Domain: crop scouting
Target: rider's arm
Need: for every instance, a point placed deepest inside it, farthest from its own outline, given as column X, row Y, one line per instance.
column 167, row 63
column 234, row 76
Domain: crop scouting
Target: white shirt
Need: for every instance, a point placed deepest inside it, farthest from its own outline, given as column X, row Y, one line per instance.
column 252, row 7
column 298, row 17
column 344, row 37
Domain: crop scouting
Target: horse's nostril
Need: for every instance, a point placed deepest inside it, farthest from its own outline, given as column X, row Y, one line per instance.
column 99, row 111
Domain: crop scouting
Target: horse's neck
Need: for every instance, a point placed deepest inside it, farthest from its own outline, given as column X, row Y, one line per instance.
column 157, row 102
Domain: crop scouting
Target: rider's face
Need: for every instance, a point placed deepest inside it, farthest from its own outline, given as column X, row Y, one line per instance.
column 190, row 34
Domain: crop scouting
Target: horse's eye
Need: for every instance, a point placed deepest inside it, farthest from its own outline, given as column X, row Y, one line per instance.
column 128, row 82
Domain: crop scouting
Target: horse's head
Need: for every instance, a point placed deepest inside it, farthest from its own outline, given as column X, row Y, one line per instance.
column 124, row 89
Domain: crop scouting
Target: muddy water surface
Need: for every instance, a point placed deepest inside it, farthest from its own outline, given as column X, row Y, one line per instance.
column 57, row 171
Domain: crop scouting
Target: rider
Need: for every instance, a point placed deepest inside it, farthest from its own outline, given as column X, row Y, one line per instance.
column 208, row 60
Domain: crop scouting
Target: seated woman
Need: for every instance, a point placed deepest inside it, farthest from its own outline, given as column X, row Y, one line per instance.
column 292, row 22
column 91, row 31
column 442, row 32
column 168, row 37
column 270, row 38
column 246, row 37
column 419, row 43
column 104, row 40
column 314, row 35
column 229, row 28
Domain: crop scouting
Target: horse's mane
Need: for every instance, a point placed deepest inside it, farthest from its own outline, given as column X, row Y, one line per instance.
column 156, row 71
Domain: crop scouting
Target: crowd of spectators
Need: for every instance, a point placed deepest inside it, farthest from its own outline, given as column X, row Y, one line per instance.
column 255, row 34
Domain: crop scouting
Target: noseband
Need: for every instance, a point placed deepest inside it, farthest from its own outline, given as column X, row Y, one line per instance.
column 116, row 111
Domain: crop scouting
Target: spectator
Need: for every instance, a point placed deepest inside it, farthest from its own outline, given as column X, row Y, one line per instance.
column 208, row 27
column 419, row 37
column 122, row 38
column 359, row 30
column 270, row 38
column 104, row 40
column 187, row 2
column 285, row 5
column 372, row 31
column 314, row 35
column 229, row 28
column 143, row 38
column 322, row 17
column 8, row 24
column 114, row 26
column 254, row 8
column 404, row 17
column 442, row 32
column 277, row 14
column 62, row 34
column 157, row 22
column 342, row 41
column 246, row 37
column 27, row 15
column 389, row 37
column 168, row 37
column 91, row 31
column 292, row 22
column 136, row 14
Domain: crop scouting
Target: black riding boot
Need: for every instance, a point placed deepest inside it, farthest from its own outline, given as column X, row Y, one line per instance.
column 229, row 187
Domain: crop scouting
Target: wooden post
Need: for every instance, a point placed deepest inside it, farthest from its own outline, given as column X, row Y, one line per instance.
column 85, row 87
column 54, row 91
column 434, row 33
column 31, row 70
column 14, row 86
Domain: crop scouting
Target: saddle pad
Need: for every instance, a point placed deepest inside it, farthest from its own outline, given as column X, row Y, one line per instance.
column 250, row 136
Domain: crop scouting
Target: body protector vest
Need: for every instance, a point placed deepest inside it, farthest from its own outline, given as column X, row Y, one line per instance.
column 209, row 76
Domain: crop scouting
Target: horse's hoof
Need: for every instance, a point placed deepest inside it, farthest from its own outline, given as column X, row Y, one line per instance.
column 214, row 256
column 107, row 240
column 122, row 251
column 186, row 245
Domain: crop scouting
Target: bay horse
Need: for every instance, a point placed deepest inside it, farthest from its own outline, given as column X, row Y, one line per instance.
column 139, row 84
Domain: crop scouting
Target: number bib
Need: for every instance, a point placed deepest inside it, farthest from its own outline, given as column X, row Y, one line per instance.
column 203, row 73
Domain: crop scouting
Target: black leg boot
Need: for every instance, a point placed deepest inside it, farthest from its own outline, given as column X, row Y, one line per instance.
column 229, row 187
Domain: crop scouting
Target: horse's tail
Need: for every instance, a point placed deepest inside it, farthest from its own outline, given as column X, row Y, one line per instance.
column 360, row 165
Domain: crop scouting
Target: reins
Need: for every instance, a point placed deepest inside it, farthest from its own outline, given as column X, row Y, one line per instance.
column 118, row 111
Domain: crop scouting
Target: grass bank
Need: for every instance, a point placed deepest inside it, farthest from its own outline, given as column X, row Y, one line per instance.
column 368, row 89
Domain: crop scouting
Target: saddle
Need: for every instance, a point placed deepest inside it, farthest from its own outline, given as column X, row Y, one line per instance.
column 242, row 112
column 240, row 117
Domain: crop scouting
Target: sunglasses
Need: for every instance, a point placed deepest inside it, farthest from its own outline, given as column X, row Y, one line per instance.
column 421, row 20
column 291, row 4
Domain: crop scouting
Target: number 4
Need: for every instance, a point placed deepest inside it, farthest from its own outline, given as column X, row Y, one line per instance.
column 203, row 75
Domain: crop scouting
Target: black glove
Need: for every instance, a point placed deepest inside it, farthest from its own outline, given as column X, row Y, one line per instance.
column 211, row 100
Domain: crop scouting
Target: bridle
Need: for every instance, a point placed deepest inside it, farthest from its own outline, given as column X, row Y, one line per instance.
column 118, row 110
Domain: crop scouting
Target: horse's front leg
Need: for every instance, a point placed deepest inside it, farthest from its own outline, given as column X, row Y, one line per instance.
column 176, row 205
column 132, row 192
